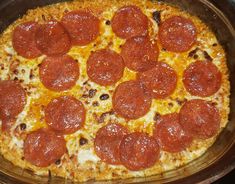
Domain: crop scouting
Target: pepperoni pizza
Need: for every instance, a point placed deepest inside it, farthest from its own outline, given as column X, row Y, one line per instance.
column 110, row 89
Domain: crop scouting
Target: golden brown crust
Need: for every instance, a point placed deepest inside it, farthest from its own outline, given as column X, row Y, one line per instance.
column 72, row 165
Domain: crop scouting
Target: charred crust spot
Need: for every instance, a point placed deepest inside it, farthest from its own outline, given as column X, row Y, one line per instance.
column 92, row 93
column 83, row 141
column 39, row 64
column 2, row 66
column 157, row 116
column 104, row 97
column 170, row 104
column 108, row 22
column 15, row 79
column 57, row 162
column 157, row 16
column 193, row 52
column 23, row 126
column 22, row 158
column 207, row 56
column 163, row 49
column 95, row 104
column 214, row 44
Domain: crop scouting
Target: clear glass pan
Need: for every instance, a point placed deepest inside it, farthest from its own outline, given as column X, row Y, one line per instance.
column 218, row 160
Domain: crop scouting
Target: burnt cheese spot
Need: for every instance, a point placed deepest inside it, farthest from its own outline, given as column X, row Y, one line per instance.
column 83, row 141
column 156, row 116
column 57, row 162
column 157, row 16
column 207, row 56
column 23, row 126
column 104, row 97
column 108, row 22
column 92, row 93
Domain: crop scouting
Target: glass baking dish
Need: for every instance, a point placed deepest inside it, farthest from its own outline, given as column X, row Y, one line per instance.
column 218, row 160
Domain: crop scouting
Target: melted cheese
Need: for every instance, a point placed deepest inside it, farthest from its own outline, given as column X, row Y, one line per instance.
column 81, row 162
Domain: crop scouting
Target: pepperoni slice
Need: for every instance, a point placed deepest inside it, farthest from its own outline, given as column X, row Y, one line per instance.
column 52, row 39
column 65, row 114
column 161, row 80
column 202, row 78
column 200, row 119
column 139, row 151
column 12, row 102
column 170, row 135
column 140, row 54
column 129, row 21
column 130, row 100
column 177, row 34
column 105, row 67
column 59, row 73
column 23, row 40
column 107, row 142
column 83, row 26
column 43, row 147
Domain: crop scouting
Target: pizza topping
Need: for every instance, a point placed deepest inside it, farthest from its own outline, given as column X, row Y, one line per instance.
column 52, row 39
column 43, row 147
column 200, row 119
column 65, row 114
column 202, row 78
column 140, row 54
column 161, row 80
column 130, row 100
column 129, row 21
column 12, row 102
column 83, row 141
column 105, row 67
column 170, row 134
column 177, row 34
column 59, row 73
column 104, row 97
column 82, row 26
column 139, row 151
column 23, row 40
column 157, row 16
column 107, row 142
column 23, row 126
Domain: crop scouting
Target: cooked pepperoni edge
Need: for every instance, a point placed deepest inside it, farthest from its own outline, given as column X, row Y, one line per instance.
column 140, row 54
column 107, row 142
column 202, row 78
column 170, row 135
column 200, row 119
column 59, row 73
column 177, row 34
column 130, row 100
column 105, row 67
column 129, row 21
column 12, row 102
column 161, row 81
column 52, row 39
column 43, row 147
column 82, row 26
column 139, row 151
column 23, row 40
column 65, row 114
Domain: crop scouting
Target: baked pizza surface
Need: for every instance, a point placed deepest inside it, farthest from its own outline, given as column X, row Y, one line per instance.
column 110, row 89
